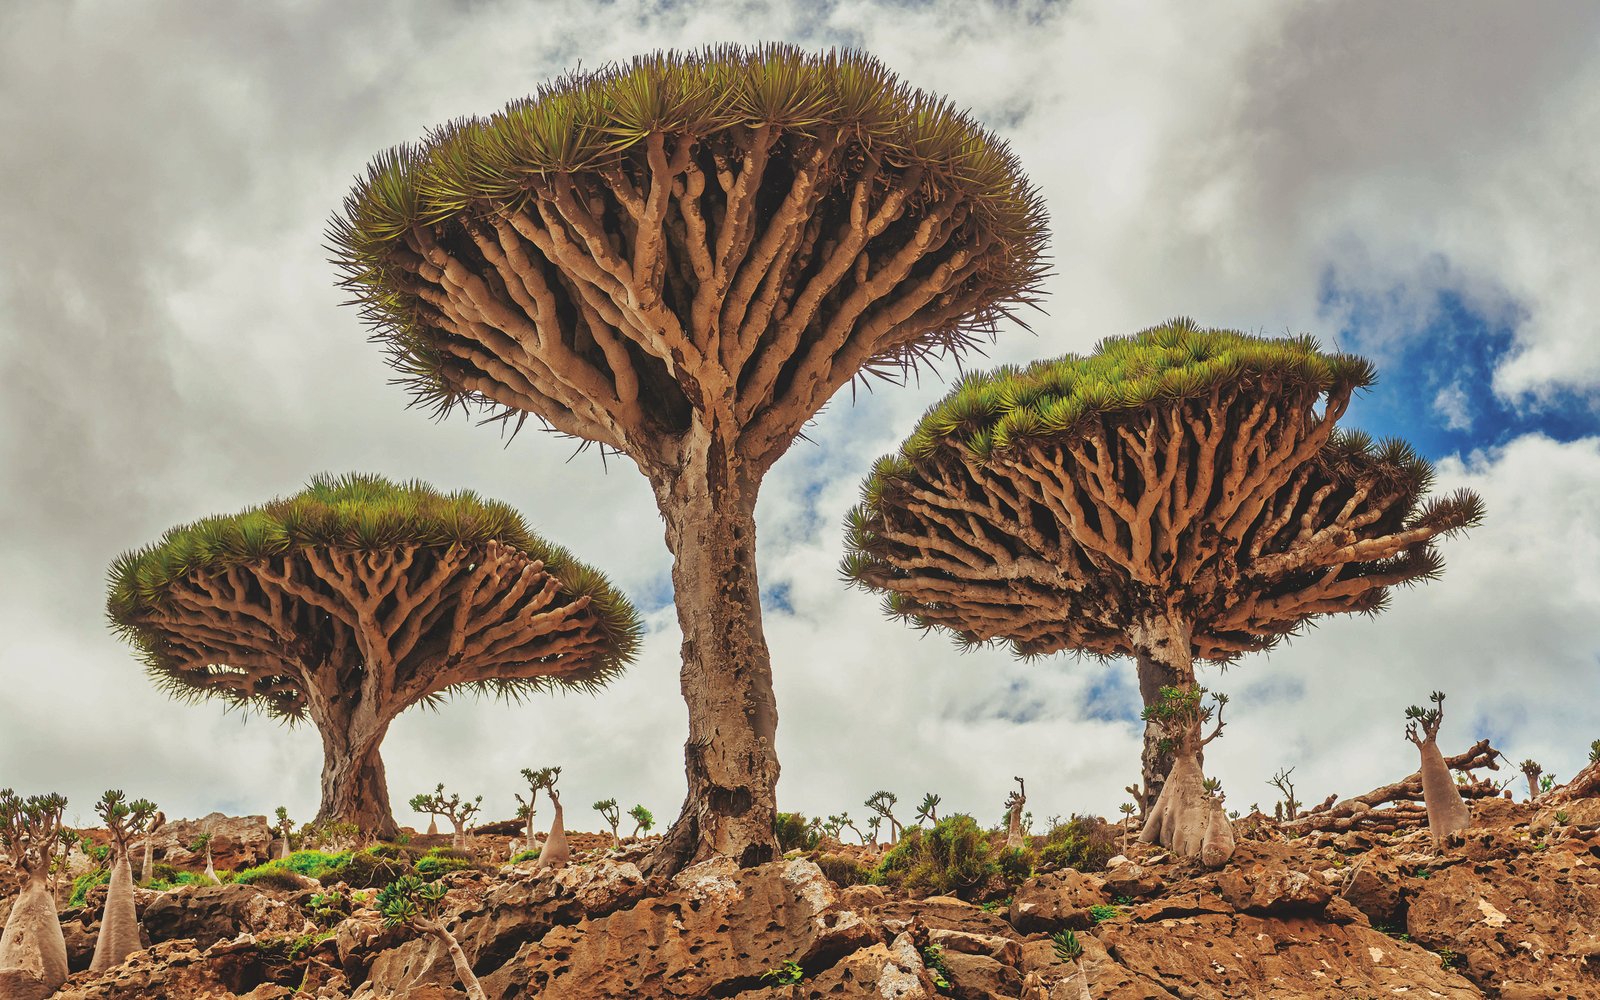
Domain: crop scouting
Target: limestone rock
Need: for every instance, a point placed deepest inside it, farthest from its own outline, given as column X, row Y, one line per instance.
column 1528, row 923
column 715, row 930
column 170, row 969
column 1131, row 880
column 236, row 841
column 1055, row 901
column 206, row 914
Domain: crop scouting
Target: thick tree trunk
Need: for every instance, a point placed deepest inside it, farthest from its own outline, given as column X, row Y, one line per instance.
column 730, row 759
column 119, row 923
column 1164, row 654
column 33, row 951
column 555, row 851
column 459, row 840
column 144, row 872
column 1447, row 811
column 1533, row 787
column 354, row 788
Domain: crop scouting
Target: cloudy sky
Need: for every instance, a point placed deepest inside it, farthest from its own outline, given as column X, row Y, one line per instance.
column 1420, row 183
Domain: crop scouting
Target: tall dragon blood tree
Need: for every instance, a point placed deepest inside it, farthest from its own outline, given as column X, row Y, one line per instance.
column 682, row 258
column 357, row 598
column 1177, row 495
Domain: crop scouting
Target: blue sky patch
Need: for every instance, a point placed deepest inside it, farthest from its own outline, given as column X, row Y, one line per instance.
column 1436, row 381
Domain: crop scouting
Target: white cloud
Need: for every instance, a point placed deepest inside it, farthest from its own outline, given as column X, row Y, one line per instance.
column 171, row 346
column 1453, row 404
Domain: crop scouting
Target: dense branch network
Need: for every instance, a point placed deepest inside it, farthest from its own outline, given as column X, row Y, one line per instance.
column 1239, row 509
column 396, row 625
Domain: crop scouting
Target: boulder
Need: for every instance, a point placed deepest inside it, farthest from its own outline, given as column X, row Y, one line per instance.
column 1055, row 901
column 206, row 914
column 236, row 841
column 979, row 977
column 1131, row 880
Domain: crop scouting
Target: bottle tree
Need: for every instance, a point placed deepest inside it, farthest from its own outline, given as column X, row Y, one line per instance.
column 357, row 598
column 682, row 258
column 1177, row 495
column 33, row 950
column 119, row 921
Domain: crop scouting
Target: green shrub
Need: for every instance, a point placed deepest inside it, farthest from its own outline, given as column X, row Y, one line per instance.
column 522, row 856
column 88, row 880
column 374, row 867
column 1082, row 842
column 795, row 833
column 952, row 858
column 275, row 874
column 1101, row 912
column 441, row 861
column 1016, row 865
column 842, row 871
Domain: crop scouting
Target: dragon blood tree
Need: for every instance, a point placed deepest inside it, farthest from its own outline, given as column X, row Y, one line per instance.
column 357, row 598
column 1177, row 495
column 682, row 258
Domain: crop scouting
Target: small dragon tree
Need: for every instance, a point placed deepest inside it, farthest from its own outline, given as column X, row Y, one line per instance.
column 454, row 808
column 202, row 843
column 1179, row 494
column 544, row 777
column 1531, row 770
column 409, row 901
column 1447, row 810
column 929, row 809
column 358, row 598
column 882, row 803
column 643, row 820
column 1182, row 816
column 611, row 813
column 1014, row 803
column 119, row 923
column 33, row 951
column 682, row 258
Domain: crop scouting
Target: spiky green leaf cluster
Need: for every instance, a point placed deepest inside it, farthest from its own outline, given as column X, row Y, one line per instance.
column 364, row 513
column 988, row 412
column 587, row 122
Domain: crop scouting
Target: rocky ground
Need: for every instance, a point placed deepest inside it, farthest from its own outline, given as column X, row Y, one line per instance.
column 1511, row 910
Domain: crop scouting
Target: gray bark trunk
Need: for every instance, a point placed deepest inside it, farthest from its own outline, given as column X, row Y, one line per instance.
column 354, row 787
column 730, row 759
column 1164, row 655
column 33, row 951
column 119, row 922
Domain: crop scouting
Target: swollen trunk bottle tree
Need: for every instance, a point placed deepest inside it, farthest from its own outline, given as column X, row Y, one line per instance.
column 683, row 258
column 1447, row 810
column 1187, row 816
column 357, row 598
column 33, row 951
column 119, row 923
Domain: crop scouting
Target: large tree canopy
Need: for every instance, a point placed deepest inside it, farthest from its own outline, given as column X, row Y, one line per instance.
column 1180, row 493
column 357, row 598
column 1187, row 471
column 683, row 258
column 733, row 230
